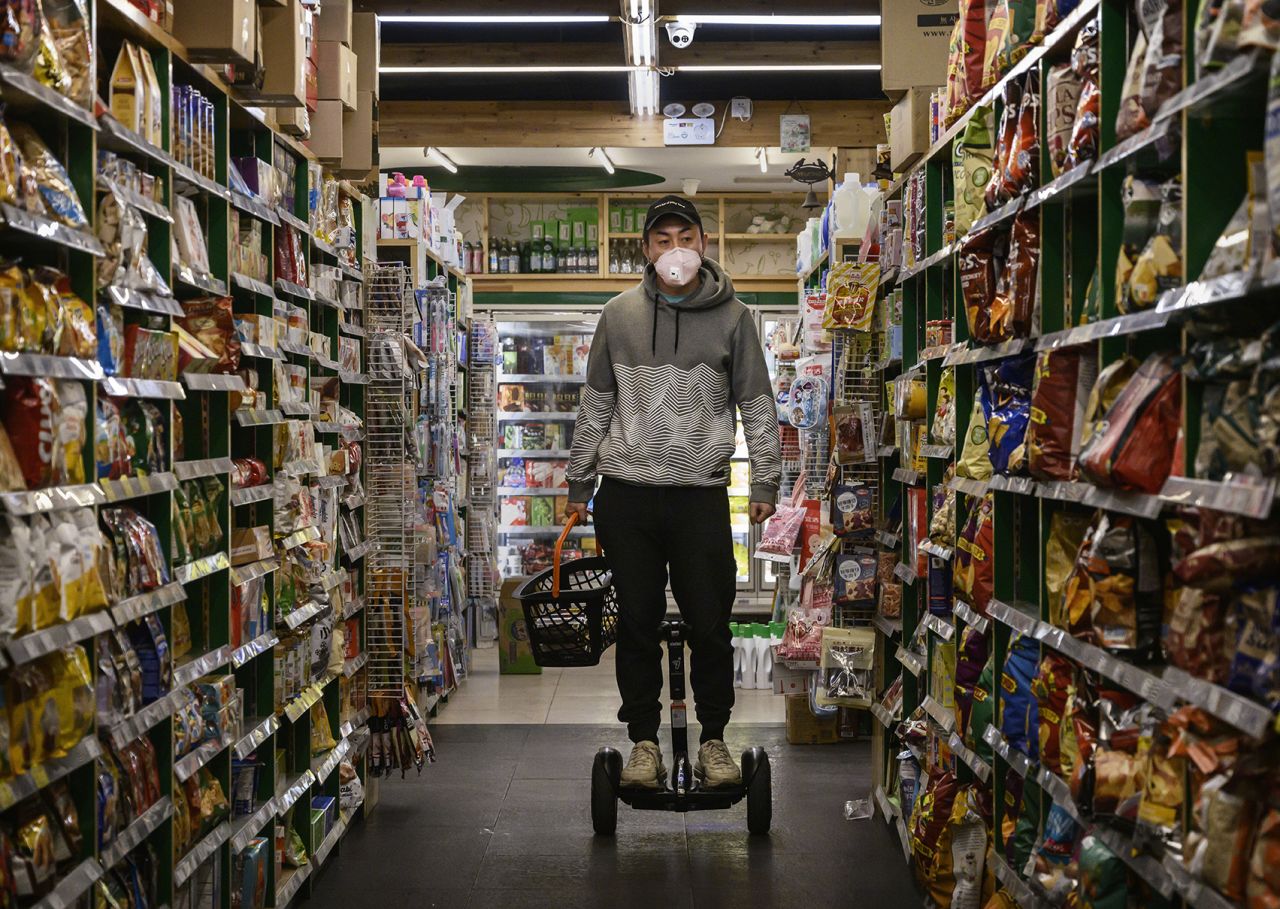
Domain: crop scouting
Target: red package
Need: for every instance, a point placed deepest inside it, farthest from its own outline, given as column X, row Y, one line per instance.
column 211, row 321
column 286, row 264
column 30, row 414
column 978, row 282
column 1017, row 291
column 1022, row 169
column 918, row 526
column 1050, row 686
column 973, row 572
column 1063, row 379
column 1134, row 450
column 998, row 191
column 810, row 530
column 965, row 57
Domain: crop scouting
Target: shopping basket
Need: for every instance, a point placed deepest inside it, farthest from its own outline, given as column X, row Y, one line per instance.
column 570, row 610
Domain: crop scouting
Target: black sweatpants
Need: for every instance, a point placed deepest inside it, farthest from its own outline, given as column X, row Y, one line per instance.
column 646, row 531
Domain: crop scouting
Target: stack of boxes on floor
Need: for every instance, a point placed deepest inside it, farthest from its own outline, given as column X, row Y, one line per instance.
column 1079, row 632
column 181, row 489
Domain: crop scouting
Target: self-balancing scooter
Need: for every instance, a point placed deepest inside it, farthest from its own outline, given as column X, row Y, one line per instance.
column 572, row 625
column 684, row 793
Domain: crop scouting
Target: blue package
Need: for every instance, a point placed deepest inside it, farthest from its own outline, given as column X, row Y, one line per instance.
column 1019, row 710
column 1008, row 385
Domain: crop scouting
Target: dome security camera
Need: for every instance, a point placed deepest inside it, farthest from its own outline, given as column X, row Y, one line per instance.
column 680, row 34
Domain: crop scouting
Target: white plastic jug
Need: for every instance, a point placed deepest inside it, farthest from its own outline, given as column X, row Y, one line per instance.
column 739, row 653
column 852, row 203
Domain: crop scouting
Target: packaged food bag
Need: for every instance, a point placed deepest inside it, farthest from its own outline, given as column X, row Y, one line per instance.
column 1006, row 137
column 974, row 464
column 973, row 571
column 1019, row 712
column 1158, row 267
column 1063, row 378
column 971, row 167
column 778, row 538
column 1008, row 383
column 1066, row 532
column 981, row 711
column 958, row 875
column 1061, row 98
column 1053, row 679
column 1114, row 594
column 1084, row 130
column 1013, row 308
column 979, row 268
column 1135, row 449
column 971, row 658
column 965, row 57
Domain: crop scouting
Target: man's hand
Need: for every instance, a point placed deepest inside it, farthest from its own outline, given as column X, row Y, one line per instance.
column 761, row 512
column 578, row 508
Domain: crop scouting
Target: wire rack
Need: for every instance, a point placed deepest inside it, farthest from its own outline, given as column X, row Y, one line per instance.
column 391, row 473
column 482, row 463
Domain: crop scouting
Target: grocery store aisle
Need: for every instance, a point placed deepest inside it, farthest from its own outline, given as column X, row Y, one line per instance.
column 503, row 821
column 580, row 695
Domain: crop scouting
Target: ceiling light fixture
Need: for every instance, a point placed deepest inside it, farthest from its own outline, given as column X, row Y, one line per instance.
column 507, row 69
column 603, row 157
column 444, row 160
column 644, row 93
column 814, row 21
column 763, row 154
column 496, row 20
column 779, row 67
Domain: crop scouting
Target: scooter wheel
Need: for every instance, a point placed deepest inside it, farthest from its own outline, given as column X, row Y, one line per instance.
column 606, row 774
column 756, row 775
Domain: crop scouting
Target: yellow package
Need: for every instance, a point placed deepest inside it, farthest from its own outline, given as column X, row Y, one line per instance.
column 180, row 631
column 15, row 576
column 974, row 463
column 321, row 738
column 46, row 600
column 12, row 281
column 1066, row 533
column 42, row 712
column 74, row 695
column 93, row 552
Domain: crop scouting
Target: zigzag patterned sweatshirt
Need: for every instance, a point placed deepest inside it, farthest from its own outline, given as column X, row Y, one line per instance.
column 663, row 380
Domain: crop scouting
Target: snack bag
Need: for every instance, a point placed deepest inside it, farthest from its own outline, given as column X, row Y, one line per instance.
column 1019, row 712
column 1012, row 309
column 1135, row 448
column 1063, row 378
column 58, row 195
column 971, row 165
column 973, row 569
column 974, row 464
column 978, row 267
column 1008, row 385
column 965, row 57
column 1159, row 266
column 943, row 429
column 1113, row 596
column 1066, row 532
column 851, row 509
column 1083, row 145
column 1062, row 97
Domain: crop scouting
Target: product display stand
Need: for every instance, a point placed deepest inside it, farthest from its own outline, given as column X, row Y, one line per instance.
column 481, row 467
column 200, row 520
column 1083, row 563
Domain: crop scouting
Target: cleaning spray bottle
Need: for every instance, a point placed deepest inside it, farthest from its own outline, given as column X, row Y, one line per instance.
column 735, row 637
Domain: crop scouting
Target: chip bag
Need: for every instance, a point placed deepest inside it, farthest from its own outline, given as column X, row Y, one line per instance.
column 1135, row 448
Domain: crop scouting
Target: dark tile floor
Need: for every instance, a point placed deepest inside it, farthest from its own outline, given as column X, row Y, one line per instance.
column 503, row 820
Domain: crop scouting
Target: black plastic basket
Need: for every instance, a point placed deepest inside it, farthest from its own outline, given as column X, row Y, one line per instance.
column 570, row 610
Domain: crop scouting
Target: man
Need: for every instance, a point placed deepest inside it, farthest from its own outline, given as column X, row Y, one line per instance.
column 670, row 360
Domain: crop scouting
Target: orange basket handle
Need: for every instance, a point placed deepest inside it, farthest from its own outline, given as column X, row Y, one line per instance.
column 555, row 567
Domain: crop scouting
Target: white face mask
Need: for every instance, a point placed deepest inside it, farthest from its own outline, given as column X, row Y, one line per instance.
column 678, row 266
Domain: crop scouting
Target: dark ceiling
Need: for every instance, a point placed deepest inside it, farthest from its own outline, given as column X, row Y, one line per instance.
column 546, row 40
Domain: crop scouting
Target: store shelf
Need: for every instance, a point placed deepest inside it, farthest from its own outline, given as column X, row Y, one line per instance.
column 50, row 771
column 981, row 769
column 290, row 883
column 299, row 617
column 352, row 666
column 191, row 670
column 964, row 613
column 532, row 452
column 72, row 886
column 115, row 136
column 882, row 716
column 259, row 417
column 143, row 388
column 156, row 304
column 201, row 281
column 529, row 417
column 208, row 467
column 199, row 381
column 30, row 364
column 944, row 717
column 188, row 182
column 324, row 765
column 263, row 643
column 135, row 487
column 296, row 291
column 940, row 626
column 254, row 206
column 292, row 790
column 330, row 840
column 904, row 573
column 551, row 529
column 245, row 829
column 144, row 604
column 248, row 495
column 142, row 722
column 912, row 662
column 200, row 853
column 36, row 644
column 147, row 206
column 888, row 627
column 201, row 568
column 132, row 836
column 910, row 477
column 251, row 741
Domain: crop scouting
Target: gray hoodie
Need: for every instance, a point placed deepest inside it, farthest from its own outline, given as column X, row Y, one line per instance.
column 662, row 384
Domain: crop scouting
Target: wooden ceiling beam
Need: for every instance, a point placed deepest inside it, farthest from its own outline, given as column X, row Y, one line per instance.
column 575, row 124
column 607, row 54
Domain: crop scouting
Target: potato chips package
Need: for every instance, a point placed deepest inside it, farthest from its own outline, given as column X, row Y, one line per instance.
column 851, row 295
column 973, row 570
column 1061, row 98
column 1113, row 596
column 1008, row 384
column 1019, row 712
column 974, row 464
column 1084, row 142
column 971, row 165
column 1063, row 378
column 59, row 196
column 1066, row 532
column 1135, row 448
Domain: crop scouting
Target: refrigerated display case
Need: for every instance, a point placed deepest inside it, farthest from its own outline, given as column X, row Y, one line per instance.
column 541, row 370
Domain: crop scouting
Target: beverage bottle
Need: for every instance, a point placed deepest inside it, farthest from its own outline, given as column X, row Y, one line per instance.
column 593, row 260
column 615, row 267
column 535, row 257
column 548, row 256
column 493, row 256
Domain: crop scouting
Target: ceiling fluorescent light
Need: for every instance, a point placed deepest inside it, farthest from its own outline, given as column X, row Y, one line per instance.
column 779, row 68
column 639, row 21
column 603, row 157
column 443, row 159
column 644, row 93
column 495, row 20
column 506, row 69
column 763, row 154
column 856, row 21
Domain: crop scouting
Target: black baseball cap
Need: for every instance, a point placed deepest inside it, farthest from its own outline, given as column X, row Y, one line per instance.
column 671, row 205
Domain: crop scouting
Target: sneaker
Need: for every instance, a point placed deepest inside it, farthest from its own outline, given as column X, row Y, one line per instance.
column 644, row 768
column 715, row 765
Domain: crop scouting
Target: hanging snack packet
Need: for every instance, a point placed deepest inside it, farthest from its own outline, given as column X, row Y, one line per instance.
column 1062, row 97
column 1066, row 532
column 1114, row 596
column 974, row 463
column 855, row 435
column 59, row 196
column 855, row 577
column 998, row 191
column 1062, row 381
column 1019, row 713
column 973, row 568
column 1022, row 168
column 1135, row 448
column 1141, row 200
column 778, row 538
column 1084, row 131
column 1159, row 266
column 1012, row 309
column 69, row 28
column 965, row 55
column 851, row 295
column 1008, row 384
column 978, row 273
column 851, row 509
column 971, row 165
column 1132, row 118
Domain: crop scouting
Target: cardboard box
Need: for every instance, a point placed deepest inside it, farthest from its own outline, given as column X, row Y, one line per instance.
column 334, row 23
column 909, row 128
column 311, row 77
column 360, row 135
column 803, row 728
column 366, row 41
column 126, row 103
column 789, row 681
column 514, row 655
column 295, row 121
column 326, row 131
column 336, row 64
column 284, row 36
column 914, row 39
column 217, row 31
column 250, row 544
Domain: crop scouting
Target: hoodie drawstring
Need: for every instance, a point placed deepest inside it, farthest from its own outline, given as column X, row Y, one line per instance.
column 653, row 344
